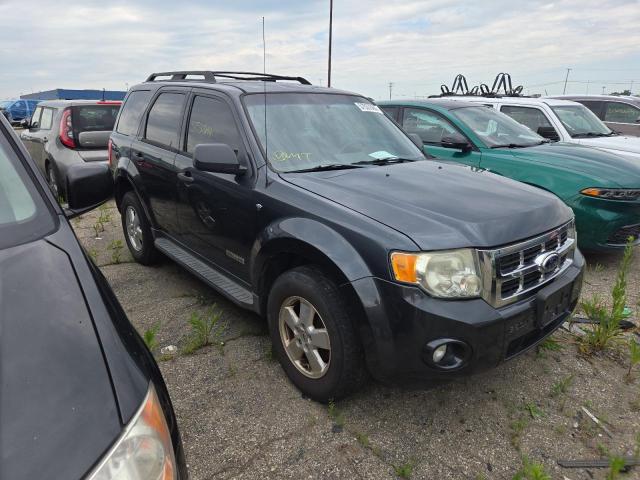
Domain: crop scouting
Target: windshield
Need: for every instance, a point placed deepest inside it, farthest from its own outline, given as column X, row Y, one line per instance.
column 96, row 118
column 496, row 129
column 311, row 130
column 580, row 121
column 23, row 215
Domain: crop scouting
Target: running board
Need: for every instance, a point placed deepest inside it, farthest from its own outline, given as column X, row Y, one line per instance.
column 215, row 279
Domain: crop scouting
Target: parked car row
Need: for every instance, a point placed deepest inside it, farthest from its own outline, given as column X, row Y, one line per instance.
column 310, row 206
column 17, row 110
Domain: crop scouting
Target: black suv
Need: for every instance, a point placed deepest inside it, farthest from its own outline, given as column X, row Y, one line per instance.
column 310, row 206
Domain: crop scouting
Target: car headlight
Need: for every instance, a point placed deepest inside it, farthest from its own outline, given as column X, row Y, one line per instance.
column 629, row 194
column 445, row 274
column 144, row 451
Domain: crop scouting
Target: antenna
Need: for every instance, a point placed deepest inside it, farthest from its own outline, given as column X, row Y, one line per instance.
column 103, row 94
column 264, row 84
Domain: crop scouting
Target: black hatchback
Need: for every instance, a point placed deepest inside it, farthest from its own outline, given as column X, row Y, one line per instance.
column 80, row 394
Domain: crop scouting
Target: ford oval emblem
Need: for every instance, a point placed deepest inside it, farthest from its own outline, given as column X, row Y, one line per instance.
column 548, row 262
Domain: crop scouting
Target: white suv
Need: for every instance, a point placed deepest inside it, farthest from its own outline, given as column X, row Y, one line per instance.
column 561, row 120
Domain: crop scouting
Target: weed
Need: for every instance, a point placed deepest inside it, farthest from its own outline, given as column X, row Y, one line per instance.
column 517, row 427
column 531, row 471
column 93, row 254
column 405, row 470
column 635, row 404
column 549, row 345
column 205, row 330
column 150, row 337
column 363, row 439
column 98, row 228
column 116, row 247
column 607, row 328
column 616, row 466
column 269, row 354
column 603, row 450
column 335, row 414
column 634, row 355
column 534, row 410
column 232, row 371
column 105, row 216
column 561, row 386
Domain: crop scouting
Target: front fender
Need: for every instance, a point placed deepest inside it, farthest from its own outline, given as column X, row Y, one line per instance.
column 293, row 234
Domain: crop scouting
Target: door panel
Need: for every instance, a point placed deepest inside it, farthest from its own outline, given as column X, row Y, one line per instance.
column 432, row 128
column 216, row 211
column 154, row 157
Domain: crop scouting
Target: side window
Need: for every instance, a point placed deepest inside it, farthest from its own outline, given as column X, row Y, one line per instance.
column 21, row 106
column 621, row 113
column 212, row 121
column 533, row 118
column 35, row 118
column 132, row 112
column 391, row 112
column 595, row 107
column 165, row 116
column 46, row 119
column 429, row 126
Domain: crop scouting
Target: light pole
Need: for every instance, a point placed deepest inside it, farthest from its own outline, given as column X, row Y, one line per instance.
column 603, row 87
column 564, row 91
column 390, row 89
column 330, row 40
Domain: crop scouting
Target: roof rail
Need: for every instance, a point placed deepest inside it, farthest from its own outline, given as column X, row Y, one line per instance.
column 502, row 87
column 210, row 76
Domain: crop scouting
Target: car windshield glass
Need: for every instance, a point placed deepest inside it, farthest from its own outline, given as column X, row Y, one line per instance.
column 96, row 118
column 580, row 121
column 23, row 215
column 306, row 131
column 496, row 129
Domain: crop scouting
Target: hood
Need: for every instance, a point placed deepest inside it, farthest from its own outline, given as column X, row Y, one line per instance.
column 57, row 408
column 605, row 168
column 619, row 144
column 441, row 205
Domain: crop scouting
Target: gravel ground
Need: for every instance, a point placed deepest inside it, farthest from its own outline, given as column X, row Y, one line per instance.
column 241, row 418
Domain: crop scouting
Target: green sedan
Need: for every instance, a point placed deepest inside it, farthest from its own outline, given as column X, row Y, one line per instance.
column 603, row 189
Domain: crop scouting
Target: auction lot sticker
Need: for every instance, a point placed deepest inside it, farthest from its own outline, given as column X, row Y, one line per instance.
column 368, row 107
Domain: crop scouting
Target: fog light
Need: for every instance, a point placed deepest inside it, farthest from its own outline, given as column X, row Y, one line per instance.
column 439, row 353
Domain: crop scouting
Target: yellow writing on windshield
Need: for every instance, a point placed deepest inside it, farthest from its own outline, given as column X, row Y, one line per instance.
column 202, row 129
column 281, row 156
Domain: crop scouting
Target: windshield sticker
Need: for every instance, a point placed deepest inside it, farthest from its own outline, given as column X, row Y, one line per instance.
column 281, row 156
column 368, row 107
column 382, row 154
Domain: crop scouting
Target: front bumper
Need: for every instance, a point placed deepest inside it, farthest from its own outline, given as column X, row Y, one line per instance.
column 402, row 320
column 603, row 224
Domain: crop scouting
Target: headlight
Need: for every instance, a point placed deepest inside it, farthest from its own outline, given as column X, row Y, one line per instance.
column 445, row 274
column 144, row 451
column 629, row 194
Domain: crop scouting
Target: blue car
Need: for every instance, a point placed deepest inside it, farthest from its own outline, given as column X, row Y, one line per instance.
column 17, row 110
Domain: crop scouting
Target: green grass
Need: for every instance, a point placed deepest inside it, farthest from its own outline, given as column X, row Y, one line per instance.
column 205, row 330
column 561, row 387
column 116, row 247
column 531, row 471
column 335, row 414
column 517, row 428
column 150, row 337
column 535, row 411
column 607, row 327
column 363, row 439
column 404, row 470
column 616, row 466
column 634, row 355
column 549, row 345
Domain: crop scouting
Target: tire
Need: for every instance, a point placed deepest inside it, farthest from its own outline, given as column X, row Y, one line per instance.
column 139, row 238
column 345, row 370
column 53, row 179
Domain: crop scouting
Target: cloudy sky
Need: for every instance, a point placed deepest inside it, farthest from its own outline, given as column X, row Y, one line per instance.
column 417, row 45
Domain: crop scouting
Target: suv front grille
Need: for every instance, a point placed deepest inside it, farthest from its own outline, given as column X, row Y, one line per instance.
column 514, row 272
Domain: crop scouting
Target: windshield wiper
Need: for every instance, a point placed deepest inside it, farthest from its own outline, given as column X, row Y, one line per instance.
column 326, row 167
column 593, row 134
column 385, row 161
column 512, row 145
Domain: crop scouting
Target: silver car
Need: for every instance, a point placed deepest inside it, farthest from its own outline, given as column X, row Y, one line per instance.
column 620, row 113
column 61, row 133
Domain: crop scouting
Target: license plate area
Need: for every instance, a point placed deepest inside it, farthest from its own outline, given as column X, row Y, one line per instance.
column 552, row 302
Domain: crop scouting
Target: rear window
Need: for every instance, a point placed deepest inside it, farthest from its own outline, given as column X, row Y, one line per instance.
column 95, row 118
column 23, row 213
column 132, row 112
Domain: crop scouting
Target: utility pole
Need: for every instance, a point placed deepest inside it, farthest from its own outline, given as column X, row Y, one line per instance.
column 603, row 87
column 631, row 88
column 565, row 81
column 588, row 86
column 330, row 40
column 390, row 89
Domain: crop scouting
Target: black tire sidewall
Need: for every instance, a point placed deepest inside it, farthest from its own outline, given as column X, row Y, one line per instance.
column 312, row 285
column 148, row 254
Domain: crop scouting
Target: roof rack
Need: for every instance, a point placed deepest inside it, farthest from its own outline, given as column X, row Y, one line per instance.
column 210, row 76
column 502, row 87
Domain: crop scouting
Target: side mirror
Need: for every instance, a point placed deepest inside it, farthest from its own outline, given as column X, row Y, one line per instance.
column 548, row 133
column 218, row 158
column 24, row 123
column 88, row 186
column 457, row 143
column 415, row 138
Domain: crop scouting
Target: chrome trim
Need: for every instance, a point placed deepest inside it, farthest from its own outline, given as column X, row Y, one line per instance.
column 493, row 278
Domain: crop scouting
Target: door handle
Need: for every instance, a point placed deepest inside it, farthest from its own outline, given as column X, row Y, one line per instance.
column 138, row 154
column 185, row 177
column 45, row 139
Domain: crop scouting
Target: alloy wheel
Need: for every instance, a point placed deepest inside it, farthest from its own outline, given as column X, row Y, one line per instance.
column 134, row 230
